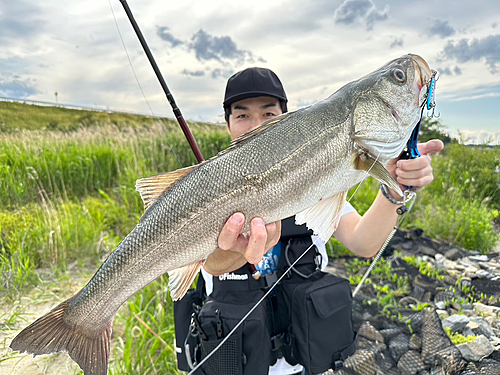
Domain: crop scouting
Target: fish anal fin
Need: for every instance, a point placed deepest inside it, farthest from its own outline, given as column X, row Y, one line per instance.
column 181, row 279
column 151, row 188
column 323, row 218
column 366, row 162
column 51, row 334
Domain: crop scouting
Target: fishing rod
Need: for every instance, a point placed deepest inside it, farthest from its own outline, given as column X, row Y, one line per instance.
column 163, row 84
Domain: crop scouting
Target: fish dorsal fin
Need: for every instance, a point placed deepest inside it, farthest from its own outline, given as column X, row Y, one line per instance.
column 180, row 279
column 323, row 218
column 366, row 162
column 151, row 188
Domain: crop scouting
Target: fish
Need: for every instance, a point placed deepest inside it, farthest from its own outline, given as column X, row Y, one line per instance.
column 299, row 163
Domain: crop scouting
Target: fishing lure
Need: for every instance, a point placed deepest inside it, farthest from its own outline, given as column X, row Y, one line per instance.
column 429, row 103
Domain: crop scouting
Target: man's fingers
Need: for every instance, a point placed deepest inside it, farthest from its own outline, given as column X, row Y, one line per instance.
column 273, row 234
column 430, row 147
column 230, row 232
column 413, row 164
column 417, row 182
column 257, row 241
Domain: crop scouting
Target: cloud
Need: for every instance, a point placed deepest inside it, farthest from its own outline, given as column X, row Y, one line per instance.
column 197, row 73
column 351, row 11
column 17, row 88
column 208, row 47
column 19, row 19
column 163, row 33
column 441, row 29
column 450, row 71
column 479, row 138
column 398, row 42
column 224, row 73
column 475, row 93
column 466, row 50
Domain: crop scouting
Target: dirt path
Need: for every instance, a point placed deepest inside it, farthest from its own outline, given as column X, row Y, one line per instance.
column 16, row 315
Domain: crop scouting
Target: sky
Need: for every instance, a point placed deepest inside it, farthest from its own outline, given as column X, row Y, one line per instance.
column 315, row 47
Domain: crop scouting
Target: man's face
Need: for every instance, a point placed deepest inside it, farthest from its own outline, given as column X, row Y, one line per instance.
column 250, row 113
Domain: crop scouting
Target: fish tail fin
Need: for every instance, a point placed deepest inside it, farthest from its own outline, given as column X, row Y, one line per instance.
column 51, row 333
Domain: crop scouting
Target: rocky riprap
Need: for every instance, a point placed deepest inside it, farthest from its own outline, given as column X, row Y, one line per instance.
column 401, row 331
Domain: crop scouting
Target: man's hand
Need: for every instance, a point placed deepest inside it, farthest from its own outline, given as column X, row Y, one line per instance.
column 251, row 245
column 415, row 172
column 236, row 248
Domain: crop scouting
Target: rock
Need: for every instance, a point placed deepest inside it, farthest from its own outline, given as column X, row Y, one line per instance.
column 468, row 332
column 475, row 350
column 456, row 306
column 368, row 331
column 363, row 343
column 472, row 325
column 408, row 245
column 449, row 359
column 453, row 254
column 433, row 336
column 426, row 250
column 415, row 342
column 483, row 274
column 361, row 362
column 495, row 325
column 443, row 314
column 467, row 306
column 411, row 363
column 443, row 296
column 478, row 258
column 456, row 322
column 482, row 327
column 439, row 257
column 488, row 366
column 389, row 333
column 487, row 310
column 418, row 292
column 398, row 346
column 441, row 305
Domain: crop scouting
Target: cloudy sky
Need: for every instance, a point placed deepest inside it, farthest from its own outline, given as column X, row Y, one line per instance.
column 315, row 46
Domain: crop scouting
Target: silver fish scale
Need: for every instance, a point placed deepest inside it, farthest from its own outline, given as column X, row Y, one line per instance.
column 278, row 173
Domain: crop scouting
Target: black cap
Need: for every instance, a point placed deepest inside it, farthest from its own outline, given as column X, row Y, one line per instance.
column 253, row 82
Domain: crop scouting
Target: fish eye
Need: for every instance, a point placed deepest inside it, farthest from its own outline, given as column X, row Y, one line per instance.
column 399, row 75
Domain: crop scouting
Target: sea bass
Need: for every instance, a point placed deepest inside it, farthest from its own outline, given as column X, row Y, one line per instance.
column 299, row 163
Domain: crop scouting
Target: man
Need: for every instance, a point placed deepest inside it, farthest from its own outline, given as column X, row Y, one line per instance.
column 252, row 97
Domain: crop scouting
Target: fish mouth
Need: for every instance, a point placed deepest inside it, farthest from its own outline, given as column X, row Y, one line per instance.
column 424, row 72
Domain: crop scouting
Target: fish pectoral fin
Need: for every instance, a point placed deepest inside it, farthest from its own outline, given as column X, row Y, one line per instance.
column 151, row 188
column 181, row 279
column 365, row 162
column 323, row 218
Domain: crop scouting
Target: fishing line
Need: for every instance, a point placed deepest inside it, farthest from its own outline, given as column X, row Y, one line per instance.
column 140, row 87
